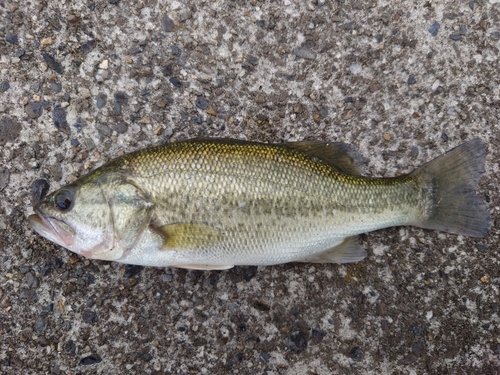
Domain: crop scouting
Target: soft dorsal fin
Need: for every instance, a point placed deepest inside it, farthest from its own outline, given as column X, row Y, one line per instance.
column 188, row 236
column 343, row 157
column 346, row 252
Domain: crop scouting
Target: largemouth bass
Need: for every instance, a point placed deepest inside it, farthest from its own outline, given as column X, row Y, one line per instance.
column 214, row 204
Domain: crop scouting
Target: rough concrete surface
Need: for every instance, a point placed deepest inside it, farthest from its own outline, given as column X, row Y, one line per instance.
column 85, row 81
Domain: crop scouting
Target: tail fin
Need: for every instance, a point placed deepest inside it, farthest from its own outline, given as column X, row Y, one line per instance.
column 451, row 181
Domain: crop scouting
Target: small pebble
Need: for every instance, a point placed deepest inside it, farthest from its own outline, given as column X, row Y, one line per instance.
column 120, row 127
column 88, row 46
column 11, row 38
column 418, row 331
column 4, row 178
column 93, row 359
column 168, row 131
column 52, row 63
column 59, row 118
column 20, row 53
column 305, row 53
column 4, row 86
column 100, row 100
column 201, row 103
column 298, row 341
column 121, row 97
column 167, row 24
column 41, row 325
column 103, row 74
column 104, row 129
column 175, row 51
column 297, row 108
column 47, row 41
column 414, row 152
column 79, row 124
column 348, row 114
column 89, row 316
column 455, row 36
column 434, row 28
column 463, row 30
column 387, row 136
column 145, row 120
column 175, row 81
column 10, row 129
column 264, row 356
column 318, row 334
column 356, row 354
column 39, row 189
column 104, row 64
column 31, row 280
column 34, row 109
column 69, row 347
column 185, row 15
column 56, row 87
column 412, row 80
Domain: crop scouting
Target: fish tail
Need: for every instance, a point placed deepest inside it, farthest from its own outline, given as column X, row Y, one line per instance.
column 449, row 183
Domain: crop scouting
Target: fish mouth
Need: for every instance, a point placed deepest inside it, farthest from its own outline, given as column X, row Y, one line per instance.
column 52, row 228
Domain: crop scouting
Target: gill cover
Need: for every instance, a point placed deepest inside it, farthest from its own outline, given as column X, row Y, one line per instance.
column 131, row 210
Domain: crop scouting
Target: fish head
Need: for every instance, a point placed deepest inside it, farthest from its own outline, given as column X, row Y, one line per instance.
column 78, row 218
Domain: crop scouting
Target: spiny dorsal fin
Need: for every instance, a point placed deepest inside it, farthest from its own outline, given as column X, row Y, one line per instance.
column 188, row 236
column 342, row 157
column 346, row 252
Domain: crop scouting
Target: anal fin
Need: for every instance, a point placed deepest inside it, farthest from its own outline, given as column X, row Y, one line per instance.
column 348, row 251
column 205, row 267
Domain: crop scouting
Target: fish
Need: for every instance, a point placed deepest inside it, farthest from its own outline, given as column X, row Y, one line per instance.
column 213, row 204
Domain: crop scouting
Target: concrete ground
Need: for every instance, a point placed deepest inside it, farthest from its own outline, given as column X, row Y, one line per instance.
column 85, row 81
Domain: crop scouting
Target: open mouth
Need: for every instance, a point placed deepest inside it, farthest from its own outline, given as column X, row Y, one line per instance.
column 53, row 229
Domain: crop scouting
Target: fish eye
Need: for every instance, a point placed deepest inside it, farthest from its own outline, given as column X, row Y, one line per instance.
column 63, row 200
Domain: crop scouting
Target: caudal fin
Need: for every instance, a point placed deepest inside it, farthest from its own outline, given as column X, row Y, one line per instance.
column 451, row 181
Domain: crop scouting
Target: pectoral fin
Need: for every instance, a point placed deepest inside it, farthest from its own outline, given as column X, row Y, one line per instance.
column 347, row 252
column 188, row 236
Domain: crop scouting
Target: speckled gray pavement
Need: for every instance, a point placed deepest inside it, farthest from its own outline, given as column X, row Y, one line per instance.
column 85, row 81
